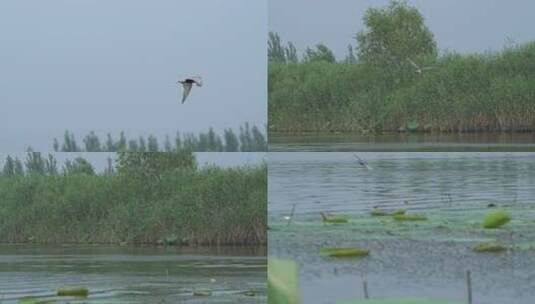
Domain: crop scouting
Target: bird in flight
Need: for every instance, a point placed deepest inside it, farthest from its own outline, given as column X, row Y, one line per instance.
column 187, row 84
column 362, row 162
column 417, row 67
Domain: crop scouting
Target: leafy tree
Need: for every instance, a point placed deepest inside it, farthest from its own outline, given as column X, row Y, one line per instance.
column 178, row 141
column 321, row 53
column 232, row 143
column 276, row 51
column 19, row 168
column 109, row 167
column 291, row 53
column 149, row 166
column 212, row 141
column 78, row 166
column 121, row 144
column 259, row 140
column 9, row 167
column 153, row 143
column 245, row 139
column 142, row 145
column 34, row 163
column 110, row 145
column 51, row 165
column 69, row 143
column 92, row 142
column 55, row 145
column 350, row 57
column 394, row 33
column 167, row 144
column 190, row 143
column 132, row 145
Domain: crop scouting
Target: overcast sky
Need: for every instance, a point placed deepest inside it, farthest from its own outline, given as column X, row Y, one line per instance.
column 464, row 26
column 107, row 66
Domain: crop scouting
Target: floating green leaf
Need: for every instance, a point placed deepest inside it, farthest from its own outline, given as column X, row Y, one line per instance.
column 496, row 219
column 333, row 219
column 282, row 282
column 73, row 292
column 489, row 247
column 202, row 293
column 344, row 252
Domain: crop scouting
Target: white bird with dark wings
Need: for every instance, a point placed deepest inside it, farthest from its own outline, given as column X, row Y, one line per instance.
column 187, row 84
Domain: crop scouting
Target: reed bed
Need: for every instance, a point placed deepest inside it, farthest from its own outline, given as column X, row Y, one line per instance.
column 489, row 92
column 144, row 200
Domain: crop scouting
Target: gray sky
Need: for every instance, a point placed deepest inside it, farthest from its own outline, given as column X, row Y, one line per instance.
column 464, row 26
column 108, row 66
column 99, row 160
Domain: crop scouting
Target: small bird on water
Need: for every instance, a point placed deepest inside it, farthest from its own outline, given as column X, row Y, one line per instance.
column 187, row 84
column 362, row 162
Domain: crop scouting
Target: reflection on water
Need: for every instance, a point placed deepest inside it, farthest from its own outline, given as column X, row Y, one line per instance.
column 335, row 182
column 133, row 275
column 407, row 260
column 402, row 142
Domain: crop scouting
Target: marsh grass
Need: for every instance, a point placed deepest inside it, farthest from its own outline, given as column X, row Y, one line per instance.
column 490, row 92
column 207, row 206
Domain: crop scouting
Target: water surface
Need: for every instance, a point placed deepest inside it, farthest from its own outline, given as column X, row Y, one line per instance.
column 402, row 142
column 407, row 259
column 133, row 274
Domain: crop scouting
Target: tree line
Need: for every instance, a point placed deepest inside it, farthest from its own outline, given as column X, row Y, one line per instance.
column 248, row 139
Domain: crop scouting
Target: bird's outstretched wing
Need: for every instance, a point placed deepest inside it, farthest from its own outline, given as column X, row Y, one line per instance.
column 198, row 80
column 413, row 63
column 186, row 89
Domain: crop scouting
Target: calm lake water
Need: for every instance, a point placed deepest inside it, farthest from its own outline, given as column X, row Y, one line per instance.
column 133, row 274
column 402, row 142
column 411, row 259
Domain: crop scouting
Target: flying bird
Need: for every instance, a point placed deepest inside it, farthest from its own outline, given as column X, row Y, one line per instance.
column 417, row 67
column 362, row 162
column 187, row 84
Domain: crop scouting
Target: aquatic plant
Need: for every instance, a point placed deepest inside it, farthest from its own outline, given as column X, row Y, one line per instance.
column 490, row 92
column 489, row 247
column 333, row 219
column 380, row 212
column 409, row 217
column 283, row 286
column 496, row 219
column 202, row 293
column 73, row 292
column 344, row 252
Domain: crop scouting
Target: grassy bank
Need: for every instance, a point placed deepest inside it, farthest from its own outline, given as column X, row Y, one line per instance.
column 148, row 198
column 460, row 93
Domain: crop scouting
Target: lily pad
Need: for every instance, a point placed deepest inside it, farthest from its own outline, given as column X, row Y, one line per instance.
column 496, row 219
column 282, row 282
column 344, row 252
column 73, row 292
column 489, row 247
column 202, row 293
column 333, row 219
column 379, row 212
